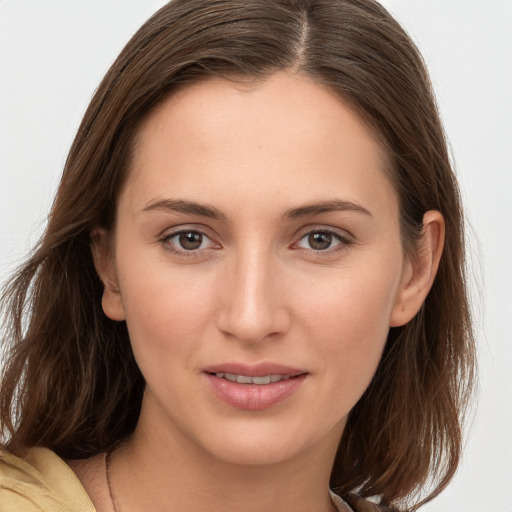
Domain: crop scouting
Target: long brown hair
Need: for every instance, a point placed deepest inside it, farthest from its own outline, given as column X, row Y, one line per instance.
column 70, row 381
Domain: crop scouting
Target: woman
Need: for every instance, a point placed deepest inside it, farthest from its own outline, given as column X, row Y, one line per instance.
column 251, row 288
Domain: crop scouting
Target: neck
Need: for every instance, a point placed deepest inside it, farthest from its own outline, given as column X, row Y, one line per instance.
column 166, row 471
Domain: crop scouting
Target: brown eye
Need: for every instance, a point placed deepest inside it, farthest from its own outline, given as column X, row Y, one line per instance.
column 323, row 241
column 190, row 240
column 320, row 241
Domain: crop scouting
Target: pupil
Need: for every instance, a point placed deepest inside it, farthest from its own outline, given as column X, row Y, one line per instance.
column 320, row 241
column 191, row 240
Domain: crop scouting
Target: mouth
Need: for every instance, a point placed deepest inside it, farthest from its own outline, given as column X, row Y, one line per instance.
column 242, row 372
column 259, row 381
column 254, row 387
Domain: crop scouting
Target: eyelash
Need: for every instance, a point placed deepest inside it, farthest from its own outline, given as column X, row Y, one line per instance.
column 169, row 246
column 344, row 241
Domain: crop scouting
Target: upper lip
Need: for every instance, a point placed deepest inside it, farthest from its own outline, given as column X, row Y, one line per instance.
column 254, row 370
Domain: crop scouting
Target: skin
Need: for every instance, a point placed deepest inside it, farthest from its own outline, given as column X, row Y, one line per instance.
column 255, row 290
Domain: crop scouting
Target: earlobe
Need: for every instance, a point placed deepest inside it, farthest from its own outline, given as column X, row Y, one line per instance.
column 420, row 271
column 105, row 267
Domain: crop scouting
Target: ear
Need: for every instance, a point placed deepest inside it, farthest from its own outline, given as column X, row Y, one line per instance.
column 102, row 254
column 420, row 270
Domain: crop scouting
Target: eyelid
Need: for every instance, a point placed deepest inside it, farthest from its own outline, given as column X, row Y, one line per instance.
column 166, row 236
column 344, row 237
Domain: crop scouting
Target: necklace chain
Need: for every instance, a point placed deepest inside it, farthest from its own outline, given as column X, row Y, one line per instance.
column 108, row 461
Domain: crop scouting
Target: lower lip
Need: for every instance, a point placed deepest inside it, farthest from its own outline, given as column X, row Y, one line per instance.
column 254, row 397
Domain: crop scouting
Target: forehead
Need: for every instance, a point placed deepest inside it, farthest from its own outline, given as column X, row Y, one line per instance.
column 205, row 107
column 288, row 136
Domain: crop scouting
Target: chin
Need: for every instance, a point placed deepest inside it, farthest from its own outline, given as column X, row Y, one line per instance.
column 263, row 444
column 244, row 453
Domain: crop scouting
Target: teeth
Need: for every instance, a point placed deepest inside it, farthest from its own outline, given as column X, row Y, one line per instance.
column 261, row 380
column 243, row 379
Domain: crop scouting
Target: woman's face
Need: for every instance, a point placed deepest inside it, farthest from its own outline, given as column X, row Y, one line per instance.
column 258, row 265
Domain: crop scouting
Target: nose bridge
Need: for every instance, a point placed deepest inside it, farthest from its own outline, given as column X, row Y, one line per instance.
column 252, row 307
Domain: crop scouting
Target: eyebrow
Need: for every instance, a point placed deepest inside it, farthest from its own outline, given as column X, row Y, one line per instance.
column 317, row 208
column 210, row 212
column 182, row 206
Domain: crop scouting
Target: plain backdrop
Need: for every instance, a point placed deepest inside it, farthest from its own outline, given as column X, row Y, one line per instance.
column 53, row 54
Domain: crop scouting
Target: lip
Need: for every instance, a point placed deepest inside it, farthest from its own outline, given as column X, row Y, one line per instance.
column 256, row 370
column 254, row 397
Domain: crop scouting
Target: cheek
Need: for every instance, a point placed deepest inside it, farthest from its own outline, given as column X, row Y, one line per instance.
column 166, row 311
column 348, row 319
column 353, row 304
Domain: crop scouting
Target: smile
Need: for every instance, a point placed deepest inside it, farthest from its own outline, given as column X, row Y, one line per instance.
column 254, row 392
column 244, row 379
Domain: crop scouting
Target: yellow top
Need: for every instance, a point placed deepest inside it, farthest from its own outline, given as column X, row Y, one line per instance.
column 41, row 482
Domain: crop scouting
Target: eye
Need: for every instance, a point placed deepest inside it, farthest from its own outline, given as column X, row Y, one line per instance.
column 323, row 240
column 188, row 241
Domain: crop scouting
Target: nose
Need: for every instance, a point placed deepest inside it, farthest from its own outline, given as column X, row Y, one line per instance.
column 252, row 306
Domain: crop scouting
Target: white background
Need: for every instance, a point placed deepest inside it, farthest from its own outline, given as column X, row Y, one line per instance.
column 53, row 54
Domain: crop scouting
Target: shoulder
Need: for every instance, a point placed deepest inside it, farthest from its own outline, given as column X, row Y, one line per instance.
column 358, row 504
column 40, row 482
